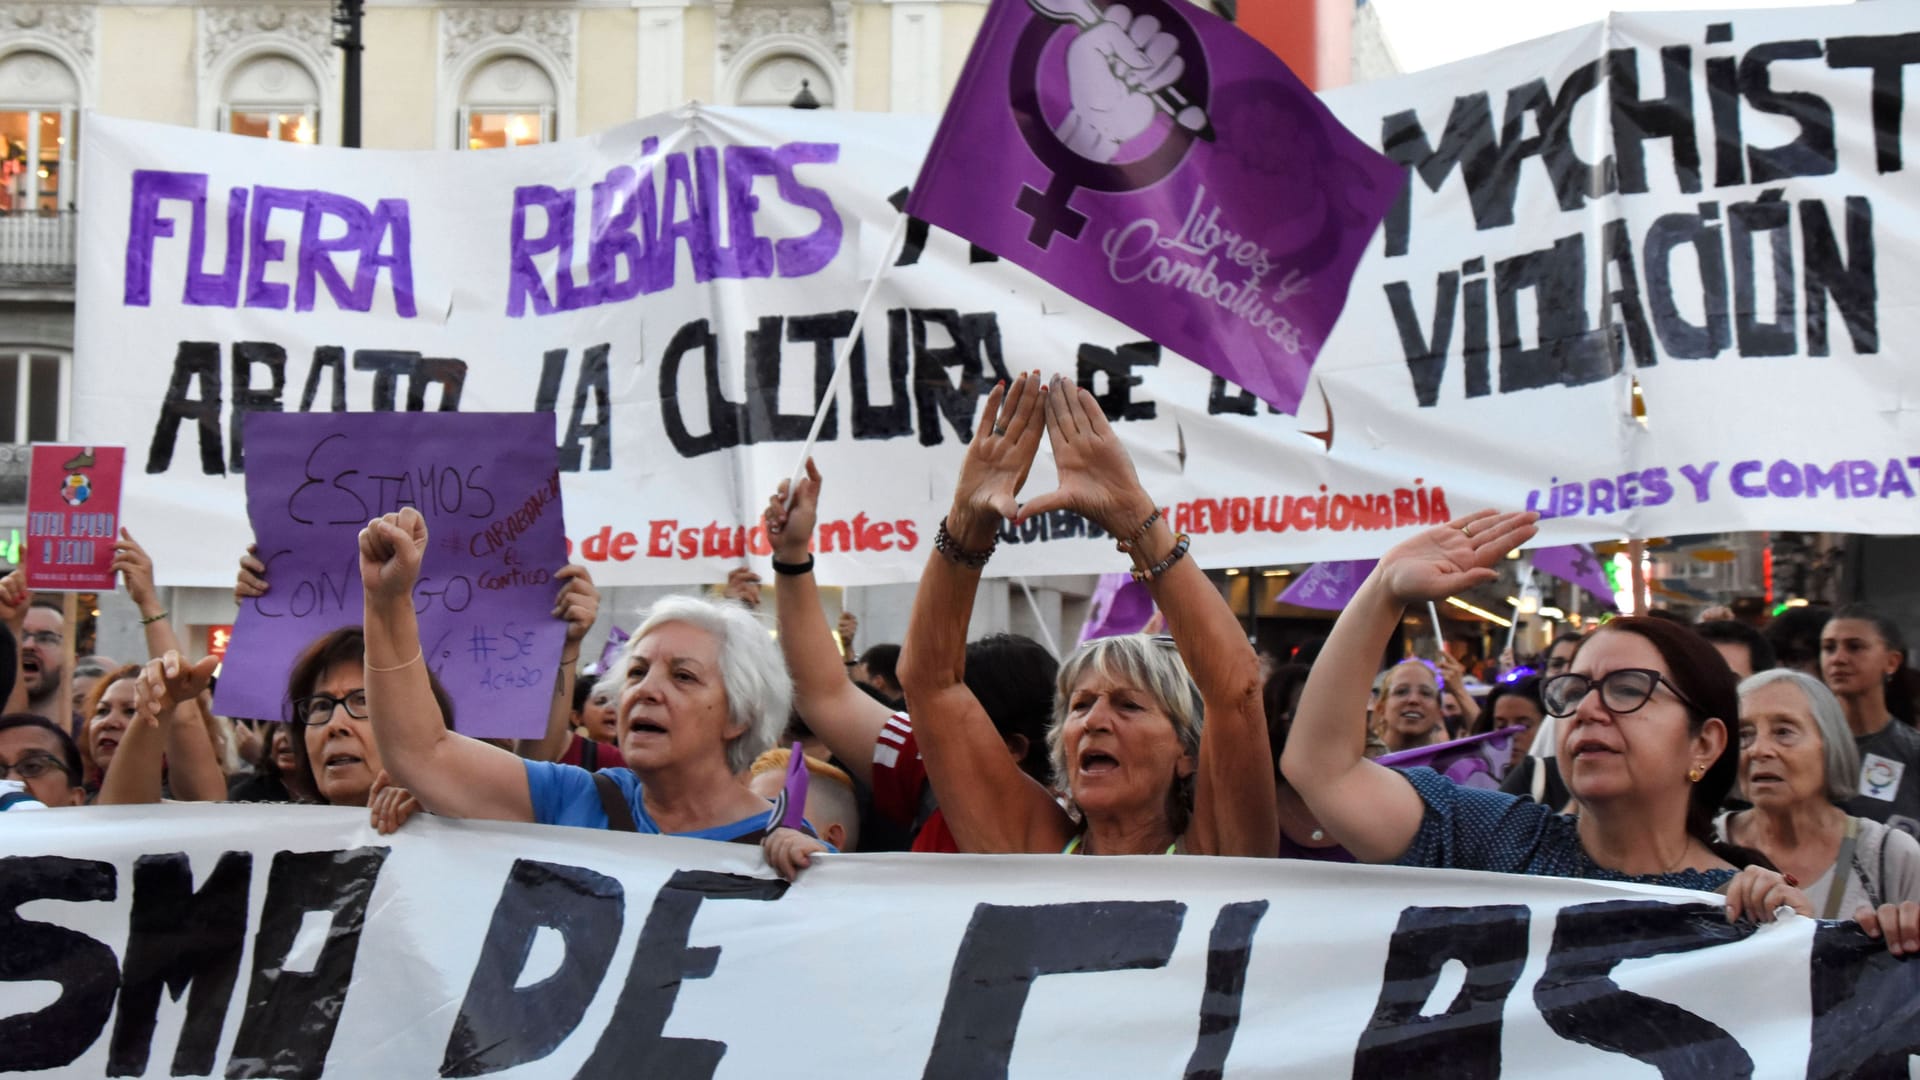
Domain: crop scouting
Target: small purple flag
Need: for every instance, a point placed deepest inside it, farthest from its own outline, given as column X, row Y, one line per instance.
column 1165, row 168
column 1328, row 586
column 1120, row 605
column 1478, row 761
column 610, row 653
column 1577, row 565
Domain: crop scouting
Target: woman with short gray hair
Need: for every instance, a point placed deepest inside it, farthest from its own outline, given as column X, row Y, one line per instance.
column 1798, row 763
column 703, row 691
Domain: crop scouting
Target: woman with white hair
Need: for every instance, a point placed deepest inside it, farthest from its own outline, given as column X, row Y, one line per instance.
column 703, row 693
column 1798, row 762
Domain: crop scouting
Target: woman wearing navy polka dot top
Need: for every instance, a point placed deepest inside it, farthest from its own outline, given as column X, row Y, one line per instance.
column 1644, row 744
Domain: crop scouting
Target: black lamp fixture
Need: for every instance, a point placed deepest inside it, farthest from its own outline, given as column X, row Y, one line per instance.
column 804, row 99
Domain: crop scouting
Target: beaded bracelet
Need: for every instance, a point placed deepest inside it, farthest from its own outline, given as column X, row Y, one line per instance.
column 1127, row 546
column 945, row 544
column 1153, row 573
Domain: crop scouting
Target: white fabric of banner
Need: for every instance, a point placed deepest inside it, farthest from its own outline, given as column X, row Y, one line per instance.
column 462, row 948
column 1711, row 210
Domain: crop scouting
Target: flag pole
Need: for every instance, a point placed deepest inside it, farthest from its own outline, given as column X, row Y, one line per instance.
column 843, row 352
column 1046, row 632
column 1439, row 639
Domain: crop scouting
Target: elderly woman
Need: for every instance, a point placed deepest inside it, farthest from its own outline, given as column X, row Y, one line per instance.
column 703, row 693
column 1797, row 764
column 1645, row 740
column 1126, row 745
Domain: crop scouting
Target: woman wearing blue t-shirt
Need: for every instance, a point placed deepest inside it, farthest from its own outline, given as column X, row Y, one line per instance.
column 1644, row 743
column 703, row 693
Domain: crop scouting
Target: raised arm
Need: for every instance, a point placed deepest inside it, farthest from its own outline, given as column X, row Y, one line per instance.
column 989, row 803
column 1235, row 808
column 166, row 696
column 579, row 604
column 1454, row 674
column 1369, row 808
column 848, row 721
column 193, row 763
column 449, row 773
column 14, row 601
column 135, row 567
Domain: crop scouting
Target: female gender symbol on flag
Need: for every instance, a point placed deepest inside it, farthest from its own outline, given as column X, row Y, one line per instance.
column 1163, row 167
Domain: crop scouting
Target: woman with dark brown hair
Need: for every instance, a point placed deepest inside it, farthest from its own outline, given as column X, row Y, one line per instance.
column 330, row 733
column 1645, row 742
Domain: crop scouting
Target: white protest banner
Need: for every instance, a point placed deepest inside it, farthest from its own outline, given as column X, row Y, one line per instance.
column 295, row 942
column 1714, row 209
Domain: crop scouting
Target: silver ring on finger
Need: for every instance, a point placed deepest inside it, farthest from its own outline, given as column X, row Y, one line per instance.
column 999, row 429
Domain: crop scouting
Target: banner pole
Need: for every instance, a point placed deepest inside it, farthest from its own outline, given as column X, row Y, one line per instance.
column 843, row 352
column 1526, row 582
column 1439, row 639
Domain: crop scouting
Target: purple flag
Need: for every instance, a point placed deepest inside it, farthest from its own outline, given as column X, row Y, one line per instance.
column 1165, row 168
column 488, row 487
column 1120, row 605
column 610, row 652
column 1476, row 761
column 1577, row 565
column 1328, row 586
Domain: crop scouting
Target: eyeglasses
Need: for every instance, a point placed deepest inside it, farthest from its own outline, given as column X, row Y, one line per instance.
column 1623, row 691
column 316, row 709
column 32, row 767
column 49, row 638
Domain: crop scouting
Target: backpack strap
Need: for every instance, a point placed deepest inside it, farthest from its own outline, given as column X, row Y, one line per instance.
column 614, row 802
column 1842, row 870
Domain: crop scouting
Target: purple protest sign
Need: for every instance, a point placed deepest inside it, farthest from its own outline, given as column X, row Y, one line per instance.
column 1577, row 565
column 490, row 492
column 1328, row 586
column 1163, row 167
column 1119, row 605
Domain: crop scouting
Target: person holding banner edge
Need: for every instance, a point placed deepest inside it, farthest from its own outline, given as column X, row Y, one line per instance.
column 1648, row 749
column 1126, row 737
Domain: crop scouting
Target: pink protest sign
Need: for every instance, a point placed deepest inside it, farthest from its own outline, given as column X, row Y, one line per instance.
column 73, row 517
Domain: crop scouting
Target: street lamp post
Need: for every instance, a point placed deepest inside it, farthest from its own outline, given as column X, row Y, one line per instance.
column 346, row 17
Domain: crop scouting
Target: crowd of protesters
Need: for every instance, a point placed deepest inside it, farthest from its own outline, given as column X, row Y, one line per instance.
column 1779, row 768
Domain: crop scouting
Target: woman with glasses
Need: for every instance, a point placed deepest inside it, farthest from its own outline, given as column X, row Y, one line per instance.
column 40, row 755
column 1645, row 746
column 327, row 716
column 1129, row 761
column 1798, row 764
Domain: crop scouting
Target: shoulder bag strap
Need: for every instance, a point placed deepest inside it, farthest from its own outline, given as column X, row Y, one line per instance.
column 614, row 802
column 1842, row 870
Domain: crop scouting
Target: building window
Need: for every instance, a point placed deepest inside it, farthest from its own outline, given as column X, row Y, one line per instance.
column 39, row 101
column 778, row 81
column 271, row 97
column 507, row 102
column 34, row 388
